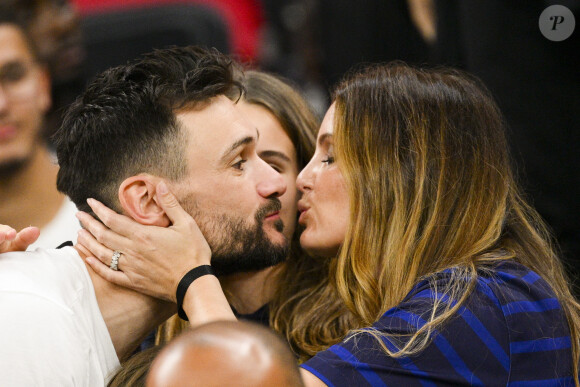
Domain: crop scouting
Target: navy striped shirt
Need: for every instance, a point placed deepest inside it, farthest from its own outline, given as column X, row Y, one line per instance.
column 511, row 331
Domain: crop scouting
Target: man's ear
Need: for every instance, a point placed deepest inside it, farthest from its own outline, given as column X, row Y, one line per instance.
column 139, row 200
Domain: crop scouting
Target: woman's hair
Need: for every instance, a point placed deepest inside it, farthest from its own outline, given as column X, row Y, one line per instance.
column 133, row 372
column 427, row 167
column 288, row 106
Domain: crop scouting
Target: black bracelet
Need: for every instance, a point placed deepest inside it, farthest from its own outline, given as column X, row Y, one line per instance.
column 187, row 279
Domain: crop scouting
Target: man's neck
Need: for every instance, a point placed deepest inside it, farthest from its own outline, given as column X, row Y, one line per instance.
column 29, row 196
column 248, row 292
column 129, row 316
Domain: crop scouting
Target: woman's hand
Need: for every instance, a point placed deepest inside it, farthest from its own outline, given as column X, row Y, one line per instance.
column 153, row 259
column 10, row 240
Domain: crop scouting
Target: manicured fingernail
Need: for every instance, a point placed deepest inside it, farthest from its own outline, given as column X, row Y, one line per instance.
column 162, row 188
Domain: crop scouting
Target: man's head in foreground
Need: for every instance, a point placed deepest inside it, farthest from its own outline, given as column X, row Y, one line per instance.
column 225, row 353
column 166, row 116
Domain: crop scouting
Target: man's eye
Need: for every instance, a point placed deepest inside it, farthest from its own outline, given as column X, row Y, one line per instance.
column 240, row 165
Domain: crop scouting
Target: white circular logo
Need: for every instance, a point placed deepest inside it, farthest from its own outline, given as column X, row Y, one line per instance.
column 557, row 23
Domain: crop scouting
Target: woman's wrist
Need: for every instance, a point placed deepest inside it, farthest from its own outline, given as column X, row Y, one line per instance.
column 205, row 302
column 186, row 282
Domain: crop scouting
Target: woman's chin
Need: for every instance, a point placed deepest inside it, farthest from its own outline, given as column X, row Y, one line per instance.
column 316, row 249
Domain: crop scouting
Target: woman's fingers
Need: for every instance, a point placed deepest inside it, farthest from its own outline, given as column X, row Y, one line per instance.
column 101, row 233
column 25, row 238
column 96, row 249
column 10, row 240
column 121, row 224
column 168, row 202
column 115, row 277
column 183, row 223
column 7, row 233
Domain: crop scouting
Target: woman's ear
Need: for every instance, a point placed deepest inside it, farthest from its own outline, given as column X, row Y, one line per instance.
column 138, row 199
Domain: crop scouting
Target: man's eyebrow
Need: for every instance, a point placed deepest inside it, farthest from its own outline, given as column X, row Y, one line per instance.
column 236, row 145
column 276, row 154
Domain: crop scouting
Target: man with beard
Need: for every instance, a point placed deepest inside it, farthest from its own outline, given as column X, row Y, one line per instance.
column 28, row 193
column 161, row 122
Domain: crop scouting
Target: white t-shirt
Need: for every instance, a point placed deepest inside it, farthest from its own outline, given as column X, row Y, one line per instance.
column 52, row 332
column 63, row 227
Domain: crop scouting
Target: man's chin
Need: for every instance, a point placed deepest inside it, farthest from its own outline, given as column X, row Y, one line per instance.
column 275, row 234
column 263, row 257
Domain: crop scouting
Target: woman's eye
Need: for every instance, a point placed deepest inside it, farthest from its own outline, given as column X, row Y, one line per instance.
column 276, row 168
column 240, row 165
column 328, row 160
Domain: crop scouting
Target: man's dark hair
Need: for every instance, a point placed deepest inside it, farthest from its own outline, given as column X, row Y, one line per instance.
column 124, row 123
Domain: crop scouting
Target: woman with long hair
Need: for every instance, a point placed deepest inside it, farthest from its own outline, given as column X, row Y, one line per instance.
column 410, row 203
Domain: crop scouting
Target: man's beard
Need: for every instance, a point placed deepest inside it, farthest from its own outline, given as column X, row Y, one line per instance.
column 236, row 246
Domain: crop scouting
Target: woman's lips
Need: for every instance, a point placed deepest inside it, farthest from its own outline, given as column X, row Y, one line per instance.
column 301, row 219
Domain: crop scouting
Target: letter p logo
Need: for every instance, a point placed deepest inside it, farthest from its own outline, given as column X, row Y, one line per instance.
column 557, row 23
column 557, row 20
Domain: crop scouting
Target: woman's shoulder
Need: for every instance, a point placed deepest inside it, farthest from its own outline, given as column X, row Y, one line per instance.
column 504, row 281
column 509, row 328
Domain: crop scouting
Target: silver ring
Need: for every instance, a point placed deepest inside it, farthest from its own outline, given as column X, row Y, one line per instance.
column 115, row 260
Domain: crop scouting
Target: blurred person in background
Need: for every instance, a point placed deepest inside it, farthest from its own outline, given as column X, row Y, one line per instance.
column 28, row 194
column 57, row 35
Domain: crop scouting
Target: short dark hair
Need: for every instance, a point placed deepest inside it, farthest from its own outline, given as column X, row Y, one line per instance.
column 124, row 123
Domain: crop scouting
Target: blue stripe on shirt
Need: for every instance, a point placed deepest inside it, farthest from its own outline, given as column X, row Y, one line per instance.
column 530, row 306
column 531, row 277
column 408, row 364
column 480, row 330
column 362, row 368
column 486, row 289
column 549, row 344
column 446, row 349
